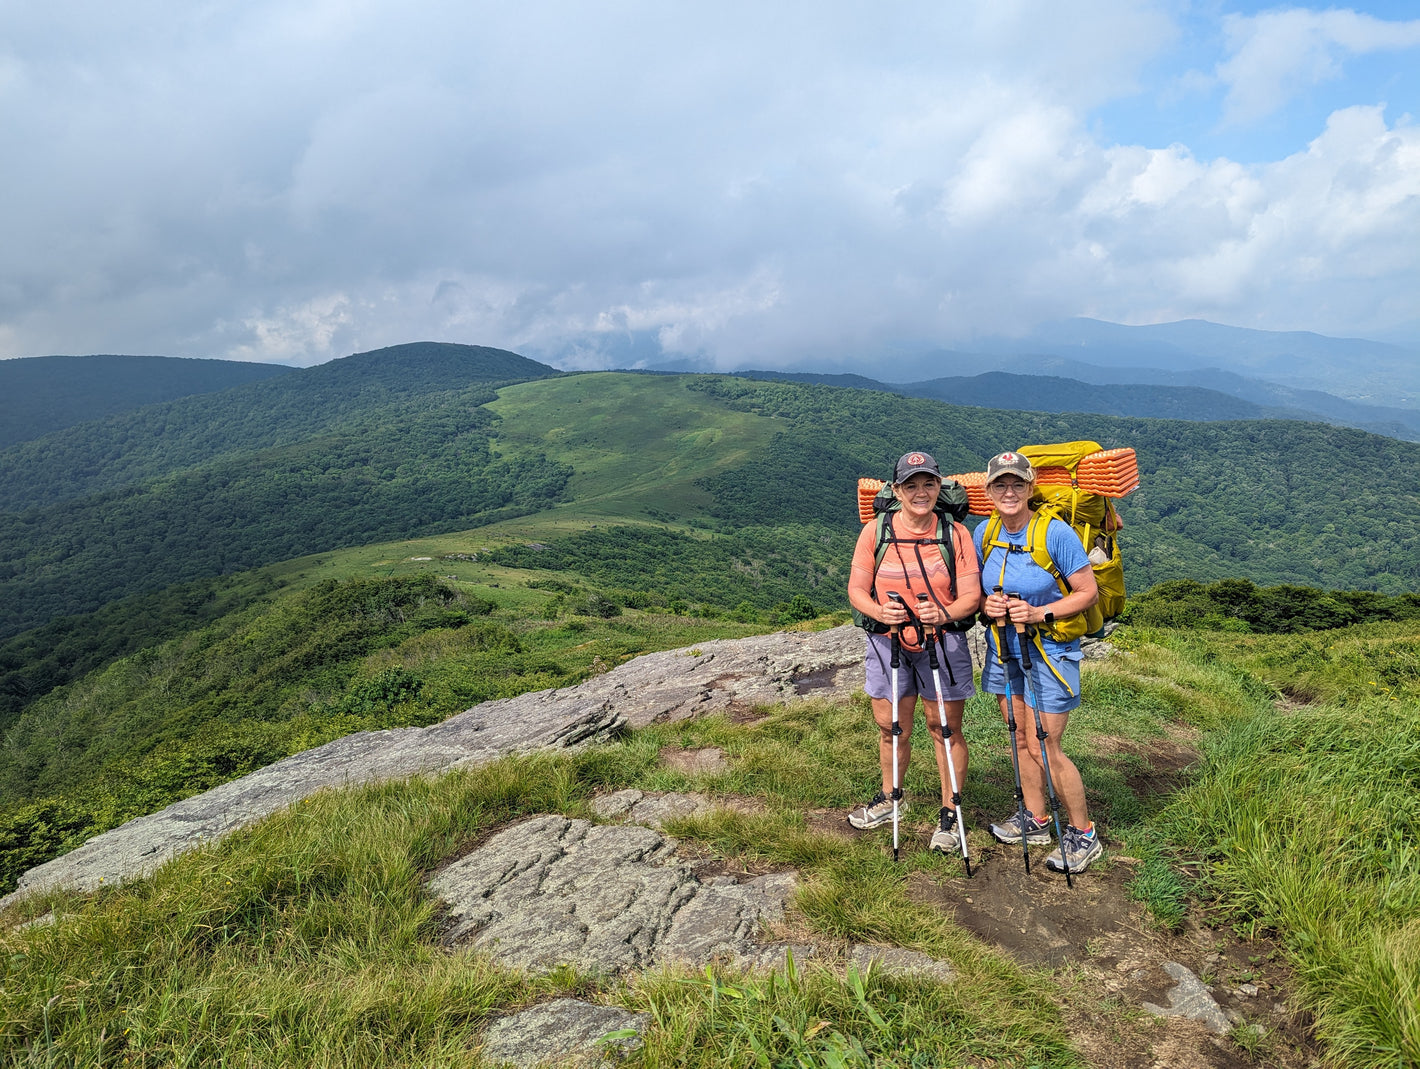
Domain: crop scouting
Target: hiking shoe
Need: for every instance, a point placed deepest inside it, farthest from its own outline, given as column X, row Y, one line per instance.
column 947, row 837
column 1009, row 830
column 1080, row 847
column 877, row 812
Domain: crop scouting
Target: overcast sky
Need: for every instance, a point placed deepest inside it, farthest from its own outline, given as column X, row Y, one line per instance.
column 755, row 183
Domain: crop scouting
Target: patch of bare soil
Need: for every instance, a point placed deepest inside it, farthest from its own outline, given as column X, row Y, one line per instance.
column 1157, row 765
column 745, row 714
column 1108, row 958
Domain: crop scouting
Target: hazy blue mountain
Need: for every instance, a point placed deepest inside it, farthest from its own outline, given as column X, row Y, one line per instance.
column 1104, row 395
column 1370, row 372
column 41, row 394
column 1287, row 401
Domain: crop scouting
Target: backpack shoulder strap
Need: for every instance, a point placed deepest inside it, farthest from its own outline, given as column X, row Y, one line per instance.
column 1040, row 553
column 885, row 535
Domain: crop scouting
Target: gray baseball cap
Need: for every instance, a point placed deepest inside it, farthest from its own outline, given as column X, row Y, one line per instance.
column 909, row 464
column 1009, row 464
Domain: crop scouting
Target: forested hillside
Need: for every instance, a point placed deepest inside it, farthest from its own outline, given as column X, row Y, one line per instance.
column 377, row 446
column 406, row 442
column 1042, row 391
column 1272, row 501
column 341, row 400
column 42, row 394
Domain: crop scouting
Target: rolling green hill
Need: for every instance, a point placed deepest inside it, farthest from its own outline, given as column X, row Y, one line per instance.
column 43, row 394
column 379, row 445
column 542, row 530
column 421, row 439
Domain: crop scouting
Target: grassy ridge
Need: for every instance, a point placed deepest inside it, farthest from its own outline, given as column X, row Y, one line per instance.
column 308, row 939
column 1304, row 821
column 294, row 670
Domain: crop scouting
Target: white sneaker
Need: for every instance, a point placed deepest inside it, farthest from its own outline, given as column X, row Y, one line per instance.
column 947, row 838
column 877, row 812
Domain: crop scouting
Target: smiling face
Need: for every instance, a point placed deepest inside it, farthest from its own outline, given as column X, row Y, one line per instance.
column 1011, row 496
column 918, row 495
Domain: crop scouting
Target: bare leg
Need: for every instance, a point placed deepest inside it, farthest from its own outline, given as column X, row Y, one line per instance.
column 882, row 714
column 959, row 755
column 1069, row 786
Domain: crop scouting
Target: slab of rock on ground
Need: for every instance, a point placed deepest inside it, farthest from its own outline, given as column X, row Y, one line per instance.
column 604, row 898
column 895, row 961
column 654, row 809
column 718, row 676
column 1190, row 998
column 566, row 1031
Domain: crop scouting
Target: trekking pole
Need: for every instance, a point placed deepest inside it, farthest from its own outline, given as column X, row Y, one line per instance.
column 1015, row 747
column 1025, row 634
column 947, row 740
column 896, row 727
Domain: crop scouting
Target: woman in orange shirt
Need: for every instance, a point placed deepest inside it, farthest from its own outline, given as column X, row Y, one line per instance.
column 914, row 565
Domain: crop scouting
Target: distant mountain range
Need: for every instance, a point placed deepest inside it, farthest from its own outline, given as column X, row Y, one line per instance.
column 1358, row 370
column 1129, row 392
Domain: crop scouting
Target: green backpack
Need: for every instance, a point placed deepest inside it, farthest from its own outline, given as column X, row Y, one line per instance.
column 952, row 504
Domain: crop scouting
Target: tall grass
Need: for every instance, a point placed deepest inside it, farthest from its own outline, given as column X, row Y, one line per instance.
column 1306, row 824
column 308, row 940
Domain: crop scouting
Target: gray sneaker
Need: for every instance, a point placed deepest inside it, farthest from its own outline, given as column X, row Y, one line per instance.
column 1009, row 830
column 947, row 837
column 877, row 812
column 1080, row 848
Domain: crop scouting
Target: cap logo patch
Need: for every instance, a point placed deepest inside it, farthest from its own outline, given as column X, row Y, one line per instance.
column 1009, row 458
column 915, row 458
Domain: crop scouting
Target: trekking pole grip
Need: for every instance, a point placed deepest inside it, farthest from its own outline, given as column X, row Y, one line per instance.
column 1020, row 628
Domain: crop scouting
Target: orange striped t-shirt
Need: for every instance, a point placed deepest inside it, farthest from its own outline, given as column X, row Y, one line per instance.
column 901, row 572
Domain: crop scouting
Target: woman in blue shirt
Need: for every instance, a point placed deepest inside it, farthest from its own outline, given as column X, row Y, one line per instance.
column 1008, row 567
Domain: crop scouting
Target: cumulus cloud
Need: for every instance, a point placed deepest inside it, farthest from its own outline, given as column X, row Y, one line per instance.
column 1277, row 54
column 743, row 182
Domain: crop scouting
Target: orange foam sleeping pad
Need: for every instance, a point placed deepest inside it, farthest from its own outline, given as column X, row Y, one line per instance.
column 975, row 483
column 867, row 490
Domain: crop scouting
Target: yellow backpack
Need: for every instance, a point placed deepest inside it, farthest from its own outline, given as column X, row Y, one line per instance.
column 1090, row 516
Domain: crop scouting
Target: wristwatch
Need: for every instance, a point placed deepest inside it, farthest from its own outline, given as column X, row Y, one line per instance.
column 1049, row 619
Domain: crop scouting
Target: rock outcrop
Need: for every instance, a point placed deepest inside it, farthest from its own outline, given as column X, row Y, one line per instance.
column 566, row 1031
column 716, row 676
column 605, row 898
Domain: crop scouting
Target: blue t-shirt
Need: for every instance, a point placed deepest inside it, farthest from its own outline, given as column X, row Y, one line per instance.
column 1023, row 576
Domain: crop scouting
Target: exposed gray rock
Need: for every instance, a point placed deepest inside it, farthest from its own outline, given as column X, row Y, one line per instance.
column 470, row 738
column 708, row 760
column 895, row 961
column 609, row 898
column 654, row 810
column 1190, row 998
column 563, row 1032
column 731, row 674
column 673, row 685
column 1094, row 649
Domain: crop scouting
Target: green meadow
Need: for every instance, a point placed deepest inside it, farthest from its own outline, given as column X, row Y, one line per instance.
column 633, row 513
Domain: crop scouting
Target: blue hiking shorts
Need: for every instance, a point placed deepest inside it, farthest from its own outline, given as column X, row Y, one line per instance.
column 1056, row 693
column 914, row 672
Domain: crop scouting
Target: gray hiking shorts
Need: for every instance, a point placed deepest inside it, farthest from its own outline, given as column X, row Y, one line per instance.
column 914, row 672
